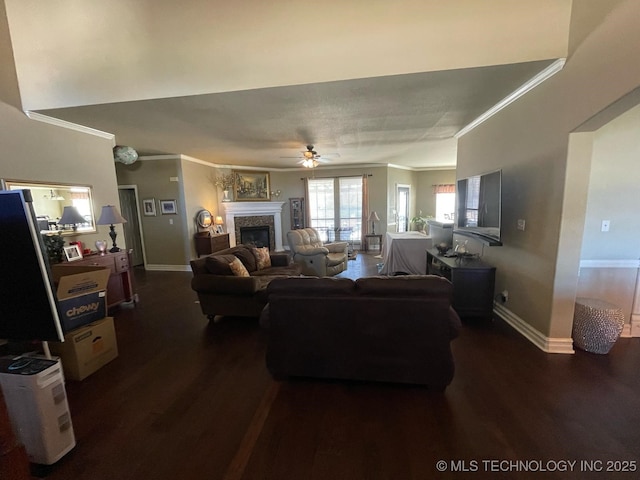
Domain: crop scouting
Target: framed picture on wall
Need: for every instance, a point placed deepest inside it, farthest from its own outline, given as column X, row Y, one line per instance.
column 149, row 207
column 251, row 186
column 168, row 207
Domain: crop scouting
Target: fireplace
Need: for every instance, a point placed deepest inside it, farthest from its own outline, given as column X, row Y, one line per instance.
column 254, row 214
column 255, row 236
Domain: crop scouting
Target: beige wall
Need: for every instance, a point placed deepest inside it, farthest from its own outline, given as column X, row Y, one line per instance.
column 200, row 193
column 614, row 193
column 529, row 141
column 9, row 92
column 36, row 151
column 425, row 180
column 609, row 260
column 229, row 46
column 395, row 178
column 166, row 237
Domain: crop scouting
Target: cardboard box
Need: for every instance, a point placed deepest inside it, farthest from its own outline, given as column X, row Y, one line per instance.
column 81, row 293
column 87, row 349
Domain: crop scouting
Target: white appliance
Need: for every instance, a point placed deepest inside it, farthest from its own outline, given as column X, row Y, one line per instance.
column 36, row 399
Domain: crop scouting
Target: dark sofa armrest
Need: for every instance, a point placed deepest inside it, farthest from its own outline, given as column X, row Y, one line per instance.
column 280, row 259
column 263, row 321
column 454, row 324
column 224, row 284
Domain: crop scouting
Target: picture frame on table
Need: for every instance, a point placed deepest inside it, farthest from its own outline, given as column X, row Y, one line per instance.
column 168, row 207
column 149, row 207
column 72, row 253
column 251, row 186
column 217, row 229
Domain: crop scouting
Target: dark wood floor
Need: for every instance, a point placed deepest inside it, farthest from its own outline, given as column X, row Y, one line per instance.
column 191, row 399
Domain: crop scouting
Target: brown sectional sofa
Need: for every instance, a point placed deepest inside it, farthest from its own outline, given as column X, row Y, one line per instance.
column 222, row 293
column 388, row 329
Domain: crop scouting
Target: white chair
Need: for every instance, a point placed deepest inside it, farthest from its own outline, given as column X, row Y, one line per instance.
column 315, row 258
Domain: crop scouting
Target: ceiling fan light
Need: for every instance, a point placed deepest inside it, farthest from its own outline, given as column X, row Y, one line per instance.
column 310, row 163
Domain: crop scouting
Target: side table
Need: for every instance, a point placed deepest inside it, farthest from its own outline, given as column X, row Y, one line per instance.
column 368, row 237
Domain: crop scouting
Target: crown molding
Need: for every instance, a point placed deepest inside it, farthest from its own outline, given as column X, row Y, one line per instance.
column 70, row 125
column 532, row 83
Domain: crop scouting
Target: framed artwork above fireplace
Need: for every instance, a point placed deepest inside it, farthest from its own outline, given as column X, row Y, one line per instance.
column 251, row 186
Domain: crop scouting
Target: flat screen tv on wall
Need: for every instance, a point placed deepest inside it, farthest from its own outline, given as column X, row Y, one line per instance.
column 28, row 309
column 479, row 207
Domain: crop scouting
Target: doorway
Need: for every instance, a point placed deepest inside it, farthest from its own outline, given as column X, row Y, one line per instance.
column 403, row 194
column 132, row 232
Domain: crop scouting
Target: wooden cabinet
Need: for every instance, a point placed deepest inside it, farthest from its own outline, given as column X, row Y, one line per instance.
column 473, row 283
column 297, row 213
column 120, row 287
column 207, row 244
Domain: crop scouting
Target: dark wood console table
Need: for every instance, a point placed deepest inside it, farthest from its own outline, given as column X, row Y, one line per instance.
column 207, row 244
column 473, row 282
column 120, row 287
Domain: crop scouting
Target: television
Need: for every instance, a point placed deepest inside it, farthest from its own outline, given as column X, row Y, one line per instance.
column 479, row 207
column 28, row 306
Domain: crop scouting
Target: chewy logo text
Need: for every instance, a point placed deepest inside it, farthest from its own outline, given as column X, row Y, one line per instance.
column 90, row 307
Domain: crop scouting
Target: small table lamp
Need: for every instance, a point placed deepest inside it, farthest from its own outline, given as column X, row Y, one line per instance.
column 373, row 218
column 110, row 216
column 71, row 216
column 218, row 222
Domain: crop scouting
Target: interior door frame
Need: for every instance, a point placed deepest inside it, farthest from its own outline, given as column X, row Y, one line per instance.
column 140, row 232
column 408, row 212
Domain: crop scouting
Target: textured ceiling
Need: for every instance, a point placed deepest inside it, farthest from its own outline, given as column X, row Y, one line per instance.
column 408, row 120
column 250, row 82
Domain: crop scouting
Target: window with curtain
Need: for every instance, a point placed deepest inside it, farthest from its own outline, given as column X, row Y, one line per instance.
column 80, row 199
column 473, row 196
column 445, row 202
column 321, row 205
column 336, row 203
column 350, row 205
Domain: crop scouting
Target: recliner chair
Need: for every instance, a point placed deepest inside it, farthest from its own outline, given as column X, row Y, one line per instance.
column 315, row 258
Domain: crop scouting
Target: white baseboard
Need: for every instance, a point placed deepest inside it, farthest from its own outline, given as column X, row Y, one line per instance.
column 167, row 268
column 635, row 325
column 544, row 343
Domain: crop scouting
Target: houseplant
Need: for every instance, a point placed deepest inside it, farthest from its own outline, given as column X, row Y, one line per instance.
column 420, row 222
column 225, row 182
column 54, row 244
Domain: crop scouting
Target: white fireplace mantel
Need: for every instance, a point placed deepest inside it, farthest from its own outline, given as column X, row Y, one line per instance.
column 250, row 209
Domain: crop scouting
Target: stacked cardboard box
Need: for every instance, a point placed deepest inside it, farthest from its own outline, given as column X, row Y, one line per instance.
column 90, row 337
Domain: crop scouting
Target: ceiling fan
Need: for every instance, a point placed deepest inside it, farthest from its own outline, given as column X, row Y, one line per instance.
column 311, row 158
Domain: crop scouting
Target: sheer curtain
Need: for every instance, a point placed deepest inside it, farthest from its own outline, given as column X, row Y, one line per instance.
column 365, row 208
column 307, row 208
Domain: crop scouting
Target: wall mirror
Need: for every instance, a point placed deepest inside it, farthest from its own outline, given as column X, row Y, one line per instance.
column 50, row 200
column 203, row 219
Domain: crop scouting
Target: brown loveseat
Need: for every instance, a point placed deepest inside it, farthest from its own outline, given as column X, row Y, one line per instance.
column 388, row 329
column 222, row 293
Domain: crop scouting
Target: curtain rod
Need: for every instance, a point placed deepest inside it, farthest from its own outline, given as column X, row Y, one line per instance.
column 337, row 176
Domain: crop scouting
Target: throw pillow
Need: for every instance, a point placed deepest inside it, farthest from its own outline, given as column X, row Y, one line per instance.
column 238, row 269
column 219, row 264
column 263, row 257
column 247, row 257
